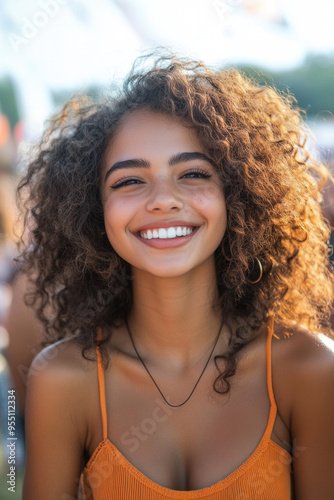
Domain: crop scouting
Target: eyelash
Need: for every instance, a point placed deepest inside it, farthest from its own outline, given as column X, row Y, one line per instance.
column 198, row 171
column 131, row 180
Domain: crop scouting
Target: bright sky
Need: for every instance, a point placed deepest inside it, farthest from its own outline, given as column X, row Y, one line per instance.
column 54, row 44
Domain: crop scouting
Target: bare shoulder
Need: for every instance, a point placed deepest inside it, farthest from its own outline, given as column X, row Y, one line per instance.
column 303, row 371
column 62, row 382
column 301, row 351
column 63, row 375
column 62, row 393
column 63, row 357
column 303, row 379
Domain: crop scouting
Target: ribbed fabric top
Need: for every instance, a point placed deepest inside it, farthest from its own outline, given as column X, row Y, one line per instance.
column 264, row 475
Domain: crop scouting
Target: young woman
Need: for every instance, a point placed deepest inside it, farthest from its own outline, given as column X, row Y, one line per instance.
column 184, row 282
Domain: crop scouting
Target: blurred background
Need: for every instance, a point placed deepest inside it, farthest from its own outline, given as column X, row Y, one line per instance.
column 51, row 48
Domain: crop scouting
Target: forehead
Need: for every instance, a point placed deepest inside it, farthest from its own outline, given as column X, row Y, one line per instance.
column 147, row 135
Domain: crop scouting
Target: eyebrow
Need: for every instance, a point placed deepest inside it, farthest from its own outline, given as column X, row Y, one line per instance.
column 173, row 160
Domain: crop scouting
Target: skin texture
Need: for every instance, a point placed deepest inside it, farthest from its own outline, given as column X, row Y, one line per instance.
column 174, row 327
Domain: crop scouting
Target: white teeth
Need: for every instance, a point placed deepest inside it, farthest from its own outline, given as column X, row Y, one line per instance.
column 168, row 233
column 162, row 233
column 171, row 233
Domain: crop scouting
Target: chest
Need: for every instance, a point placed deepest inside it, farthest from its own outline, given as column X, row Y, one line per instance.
column 195, row 445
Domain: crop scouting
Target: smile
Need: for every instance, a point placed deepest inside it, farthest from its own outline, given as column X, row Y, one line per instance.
column 166, row 233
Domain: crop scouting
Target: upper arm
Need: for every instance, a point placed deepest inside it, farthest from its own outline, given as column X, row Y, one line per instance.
column 312, row 428
column 54, row 434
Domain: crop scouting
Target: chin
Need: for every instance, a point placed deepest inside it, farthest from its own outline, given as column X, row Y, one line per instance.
column 165, row 271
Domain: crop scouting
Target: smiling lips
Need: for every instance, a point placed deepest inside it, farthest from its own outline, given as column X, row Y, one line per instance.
column 166, row 233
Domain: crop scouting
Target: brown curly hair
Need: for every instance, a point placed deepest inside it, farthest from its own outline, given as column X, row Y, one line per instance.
column 254, row 136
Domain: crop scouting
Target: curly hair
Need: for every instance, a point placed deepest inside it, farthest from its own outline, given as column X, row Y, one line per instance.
column 256, row 139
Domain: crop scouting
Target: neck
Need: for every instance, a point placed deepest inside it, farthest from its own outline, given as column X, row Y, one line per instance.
column 173, row 319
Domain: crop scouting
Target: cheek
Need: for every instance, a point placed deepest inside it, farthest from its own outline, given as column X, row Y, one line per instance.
column 110, row 210
column 211, row 202
column 116, row 219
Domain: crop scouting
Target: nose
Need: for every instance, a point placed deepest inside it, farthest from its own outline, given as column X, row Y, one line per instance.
column 164, row 197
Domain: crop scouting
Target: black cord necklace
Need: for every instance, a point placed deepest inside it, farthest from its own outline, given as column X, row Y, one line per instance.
column 156, row 385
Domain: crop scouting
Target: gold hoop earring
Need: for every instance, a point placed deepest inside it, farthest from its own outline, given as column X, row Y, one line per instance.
column 261, row 272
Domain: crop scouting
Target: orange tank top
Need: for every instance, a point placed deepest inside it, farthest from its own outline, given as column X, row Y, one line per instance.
column 265, row 474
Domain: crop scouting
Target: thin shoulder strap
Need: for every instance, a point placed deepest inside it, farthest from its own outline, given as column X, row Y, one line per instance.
column 269, row 361
column 100, row 373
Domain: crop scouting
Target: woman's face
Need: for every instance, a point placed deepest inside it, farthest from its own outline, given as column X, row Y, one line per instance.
column 164, row 208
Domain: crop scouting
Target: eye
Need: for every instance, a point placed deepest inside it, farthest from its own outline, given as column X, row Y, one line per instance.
column 126, row 182
column 196, row 173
